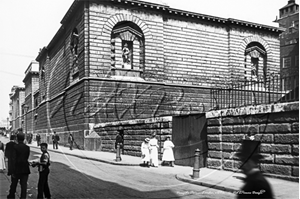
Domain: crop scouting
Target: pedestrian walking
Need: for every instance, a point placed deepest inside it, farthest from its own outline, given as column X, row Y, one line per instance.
column 256, row 185
column 120, row 140
column 38, row 139
column 153, row 143
column 9, row 154
column 30, row 138
column 71, row 141
column 21, row 167
column 55, row 140
column 145, row 152
column 168, row 155
column 44, row 170
column 2, row 160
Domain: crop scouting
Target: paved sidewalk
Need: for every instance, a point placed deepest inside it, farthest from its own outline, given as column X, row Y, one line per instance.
column 4, row 185
column 212, row 178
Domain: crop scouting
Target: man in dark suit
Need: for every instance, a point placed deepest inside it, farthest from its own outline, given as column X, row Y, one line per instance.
column 21, row 167
column 71, row 141
column 55, row 139
column 9, row 154
column 120, row 140
column 256, row 185
column 38, row 139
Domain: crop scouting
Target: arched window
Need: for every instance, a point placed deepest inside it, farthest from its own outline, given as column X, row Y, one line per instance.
column 255, row 61
column 127, row 49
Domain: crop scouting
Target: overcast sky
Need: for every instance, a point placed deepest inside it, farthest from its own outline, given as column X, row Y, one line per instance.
column 28, row 25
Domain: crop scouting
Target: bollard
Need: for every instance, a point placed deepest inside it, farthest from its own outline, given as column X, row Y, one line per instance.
column 118, row 157
column 196, row 169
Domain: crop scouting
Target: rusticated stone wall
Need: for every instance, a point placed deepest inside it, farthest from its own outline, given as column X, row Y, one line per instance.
column 276, row 126
column 119, row 100
column 135, row 132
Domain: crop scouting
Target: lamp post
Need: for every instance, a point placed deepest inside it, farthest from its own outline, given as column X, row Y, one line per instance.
column 26, row 107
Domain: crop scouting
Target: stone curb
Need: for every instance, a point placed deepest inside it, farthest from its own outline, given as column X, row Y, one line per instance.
column 94, row 159
column 184, row 178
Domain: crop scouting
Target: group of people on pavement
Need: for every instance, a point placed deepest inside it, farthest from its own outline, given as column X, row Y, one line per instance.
column 17, row 154
column 18, row 166
column 55, row 140
column 149, row 149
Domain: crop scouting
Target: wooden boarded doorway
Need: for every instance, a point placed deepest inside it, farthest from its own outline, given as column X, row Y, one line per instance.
column 189, row 132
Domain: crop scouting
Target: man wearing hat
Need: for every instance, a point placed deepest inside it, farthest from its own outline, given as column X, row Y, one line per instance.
column 120, row 140
column 256, row 185
column 21, row 169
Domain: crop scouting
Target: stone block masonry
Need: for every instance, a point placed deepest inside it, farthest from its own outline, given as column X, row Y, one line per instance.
column 124, row 100
column 275, row 125
column 135, row 132
column 180, row 57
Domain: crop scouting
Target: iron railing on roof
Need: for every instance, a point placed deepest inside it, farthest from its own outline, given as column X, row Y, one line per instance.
column 256, row 91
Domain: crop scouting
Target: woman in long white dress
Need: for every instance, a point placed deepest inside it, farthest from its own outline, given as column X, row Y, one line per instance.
column 168, row 155
column 2, row 160
column 153, row 151
column 145, row 152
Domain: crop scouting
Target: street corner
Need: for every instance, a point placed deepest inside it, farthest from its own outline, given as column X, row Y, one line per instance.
column 188, row 178
column 198, row 181
column 205, row 193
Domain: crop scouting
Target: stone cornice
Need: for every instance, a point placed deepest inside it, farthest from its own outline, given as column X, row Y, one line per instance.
column 172, row 11
column 30, row 74
column 253, row 110
column 134, row 122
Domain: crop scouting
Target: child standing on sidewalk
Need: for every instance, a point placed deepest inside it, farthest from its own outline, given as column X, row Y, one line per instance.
column 43, row 167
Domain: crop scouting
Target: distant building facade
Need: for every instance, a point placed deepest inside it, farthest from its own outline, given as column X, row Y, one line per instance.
column 289, row 40
column 117, row 61
column 17, row 98
column 31, row 82
column 20, row 117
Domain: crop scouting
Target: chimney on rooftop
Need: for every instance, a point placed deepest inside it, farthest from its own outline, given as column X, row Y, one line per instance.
column 291, row 1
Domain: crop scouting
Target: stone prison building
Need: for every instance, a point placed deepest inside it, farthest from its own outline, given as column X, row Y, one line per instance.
column 134, row 65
